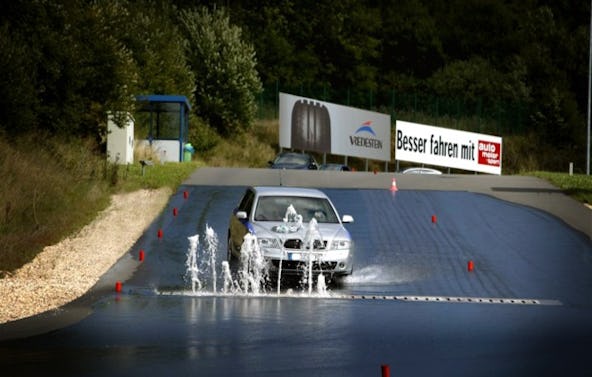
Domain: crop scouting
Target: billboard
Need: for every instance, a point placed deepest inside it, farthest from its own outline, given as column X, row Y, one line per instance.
column 449, row 148
column 324, row 127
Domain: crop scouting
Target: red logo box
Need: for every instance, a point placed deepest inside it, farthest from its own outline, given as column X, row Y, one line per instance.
column 489, row 153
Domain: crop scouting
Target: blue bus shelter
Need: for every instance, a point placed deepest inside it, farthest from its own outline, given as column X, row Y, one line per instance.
column 162, row 124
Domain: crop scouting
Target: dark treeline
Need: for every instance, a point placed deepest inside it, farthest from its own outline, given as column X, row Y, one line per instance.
column 527, row 54
column 64, row 64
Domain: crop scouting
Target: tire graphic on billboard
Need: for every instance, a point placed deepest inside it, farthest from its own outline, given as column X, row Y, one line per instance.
column 311, row 127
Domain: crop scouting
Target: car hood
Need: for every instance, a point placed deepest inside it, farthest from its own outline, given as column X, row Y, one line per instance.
column 283, row 230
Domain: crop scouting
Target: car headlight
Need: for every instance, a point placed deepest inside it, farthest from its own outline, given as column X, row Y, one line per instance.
column 340, row 244
column 268, row 243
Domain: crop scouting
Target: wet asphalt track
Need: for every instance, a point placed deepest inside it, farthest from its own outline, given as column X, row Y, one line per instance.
column 400, row 307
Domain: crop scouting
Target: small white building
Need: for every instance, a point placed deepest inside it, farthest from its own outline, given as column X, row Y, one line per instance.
column 120, row 140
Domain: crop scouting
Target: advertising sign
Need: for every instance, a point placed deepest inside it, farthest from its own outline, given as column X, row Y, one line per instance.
column 449, row 148
column 324, row 127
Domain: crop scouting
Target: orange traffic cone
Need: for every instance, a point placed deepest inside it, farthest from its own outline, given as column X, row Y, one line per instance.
column 394, row 185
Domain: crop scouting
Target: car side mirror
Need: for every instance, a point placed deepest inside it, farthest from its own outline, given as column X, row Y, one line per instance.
column 347, row 219
column 241, row 215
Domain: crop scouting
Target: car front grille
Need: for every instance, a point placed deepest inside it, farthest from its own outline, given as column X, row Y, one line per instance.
column 297, row 244
column 300, row 266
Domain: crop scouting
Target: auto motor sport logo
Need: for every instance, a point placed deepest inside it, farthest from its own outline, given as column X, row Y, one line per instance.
column 489, row 153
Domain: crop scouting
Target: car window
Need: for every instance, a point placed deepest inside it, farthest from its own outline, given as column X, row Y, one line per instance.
column 292, row 159
column 247, row 202
column 273, row 208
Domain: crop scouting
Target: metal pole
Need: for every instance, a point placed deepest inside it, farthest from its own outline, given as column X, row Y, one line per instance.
column 589, row 85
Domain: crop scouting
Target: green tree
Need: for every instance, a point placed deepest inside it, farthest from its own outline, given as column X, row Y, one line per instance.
column 411, row 44
column 150, row 32
column 477, row 79
column 78, row 68
column 345, row 36
column 18, row 95
column 226, row 80
column 267, row 24
column 551, row 58
column 102, row 72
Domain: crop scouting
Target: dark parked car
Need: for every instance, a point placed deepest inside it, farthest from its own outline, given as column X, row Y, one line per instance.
column 337, row 167
column 294, row 160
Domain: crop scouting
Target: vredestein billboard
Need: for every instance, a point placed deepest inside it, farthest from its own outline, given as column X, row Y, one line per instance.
column 449, row 148
column 317, row 126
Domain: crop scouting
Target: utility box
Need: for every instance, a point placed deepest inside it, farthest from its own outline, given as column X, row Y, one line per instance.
column 120, row 140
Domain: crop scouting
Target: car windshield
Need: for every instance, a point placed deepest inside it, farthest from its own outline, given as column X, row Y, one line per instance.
column 292, row 159
column 273, row 208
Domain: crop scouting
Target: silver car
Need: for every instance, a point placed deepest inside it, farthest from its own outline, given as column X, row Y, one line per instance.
column 421, row 171
column 281, row 218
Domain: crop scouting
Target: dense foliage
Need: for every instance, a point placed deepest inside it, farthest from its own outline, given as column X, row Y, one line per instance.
column 65, row 63
column 531, row 55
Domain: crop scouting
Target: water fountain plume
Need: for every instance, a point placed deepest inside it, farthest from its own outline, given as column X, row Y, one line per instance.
column 321, row 285
column 192, row 270
column 253, row 270
column 292, row 217
column 228, row 284
column 211, row 246
column 312, row 234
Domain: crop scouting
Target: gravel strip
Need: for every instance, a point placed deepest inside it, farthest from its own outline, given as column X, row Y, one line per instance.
column 63, row 272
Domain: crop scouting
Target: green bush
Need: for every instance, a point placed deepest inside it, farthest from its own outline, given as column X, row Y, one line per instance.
column 226, row 81
column 202, row 136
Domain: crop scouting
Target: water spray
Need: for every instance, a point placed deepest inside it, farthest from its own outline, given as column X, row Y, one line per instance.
column 192, row 270
column 211, row 246
column 312, row 235
column 292, row 223
column 253, row 270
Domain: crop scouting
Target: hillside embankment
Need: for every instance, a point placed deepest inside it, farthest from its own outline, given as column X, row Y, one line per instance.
column 65, row 271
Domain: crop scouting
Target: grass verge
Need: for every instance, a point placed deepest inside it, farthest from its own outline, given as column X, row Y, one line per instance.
column 54, row 187
column 578, row 186
column 132, row 178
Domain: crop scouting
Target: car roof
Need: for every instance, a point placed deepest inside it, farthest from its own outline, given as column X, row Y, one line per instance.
column 419, row 170
column 295, row 154
column 288, row 191
column 292, row 152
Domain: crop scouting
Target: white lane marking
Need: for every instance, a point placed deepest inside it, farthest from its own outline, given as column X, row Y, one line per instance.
column 459, row 300
column 403, row 298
